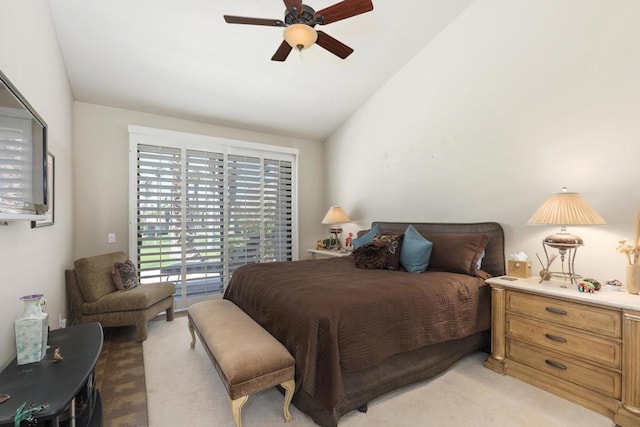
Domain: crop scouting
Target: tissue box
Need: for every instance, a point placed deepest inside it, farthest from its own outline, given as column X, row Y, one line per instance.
column 520, row 269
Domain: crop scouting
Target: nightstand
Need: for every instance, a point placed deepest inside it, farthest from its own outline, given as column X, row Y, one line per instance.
column 583, row 347
column 315, row 253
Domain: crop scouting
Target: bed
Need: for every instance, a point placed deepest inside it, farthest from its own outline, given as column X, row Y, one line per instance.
column 357, row 333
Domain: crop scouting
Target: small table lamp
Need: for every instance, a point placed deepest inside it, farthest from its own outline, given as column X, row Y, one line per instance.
column 335, row 216
column 564, row 209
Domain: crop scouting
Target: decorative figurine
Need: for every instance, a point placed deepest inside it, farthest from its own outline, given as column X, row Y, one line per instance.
column 27, row 414
column 584, row 286
column 545, row 273
column 614, row 282
column 594, row 282
column 348, row 241
column 57, row 356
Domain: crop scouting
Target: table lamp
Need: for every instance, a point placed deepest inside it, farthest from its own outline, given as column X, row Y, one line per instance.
column 335, row 216
column 564, row 209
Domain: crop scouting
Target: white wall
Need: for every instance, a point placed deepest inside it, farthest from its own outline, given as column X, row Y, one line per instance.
column 101, row 165
column 33, row 260
column 512, row 101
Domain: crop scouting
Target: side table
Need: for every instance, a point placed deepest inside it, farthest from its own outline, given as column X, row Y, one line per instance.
column 315, row 253
column 580, row 346
column 67, row 387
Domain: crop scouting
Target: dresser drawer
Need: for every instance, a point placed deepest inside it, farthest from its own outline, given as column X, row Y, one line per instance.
column 585, row 317
column 591, row 348
column 600, row 380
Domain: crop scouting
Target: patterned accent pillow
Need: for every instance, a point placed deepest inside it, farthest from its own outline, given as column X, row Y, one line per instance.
column 382, row 252
column 125, row 275
column 370, row 256
column 393, row 243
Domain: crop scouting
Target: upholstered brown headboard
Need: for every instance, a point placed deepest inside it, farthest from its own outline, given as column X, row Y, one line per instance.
column 493, row 262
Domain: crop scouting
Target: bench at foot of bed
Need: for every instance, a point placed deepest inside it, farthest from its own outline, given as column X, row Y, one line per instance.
column 247, row 358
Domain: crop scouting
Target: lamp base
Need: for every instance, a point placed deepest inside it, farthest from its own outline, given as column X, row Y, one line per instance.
column 567, row 245
column 572, row 278
column 563, row 240
column 335, row 238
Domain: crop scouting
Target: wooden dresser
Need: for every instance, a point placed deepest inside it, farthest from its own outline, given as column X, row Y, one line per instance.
column 584, row 347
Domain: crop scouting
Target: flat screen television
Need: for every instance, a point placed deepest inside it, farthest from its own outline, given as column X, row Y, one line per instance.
column 23, row 156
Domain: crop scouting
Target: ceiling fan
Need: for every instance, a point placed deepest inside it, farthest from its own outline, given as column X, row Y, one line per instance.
column 299, row 22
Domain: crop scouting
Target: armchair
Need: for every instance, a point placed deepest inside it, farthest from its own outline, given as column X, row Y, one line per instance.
column 95, row 298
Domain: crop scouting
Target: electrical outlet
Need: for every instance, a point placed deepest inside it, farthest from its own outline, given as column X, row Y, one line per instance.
column 111, row 237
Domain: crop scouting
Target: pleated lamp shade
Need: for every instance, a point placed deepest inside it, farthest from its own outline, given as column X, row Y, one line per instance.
column 335, row 215
column 566, row 209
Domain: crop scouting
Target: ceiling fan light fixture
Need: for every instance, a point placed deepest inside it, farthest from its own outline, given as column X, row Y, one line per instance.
column 300, row 36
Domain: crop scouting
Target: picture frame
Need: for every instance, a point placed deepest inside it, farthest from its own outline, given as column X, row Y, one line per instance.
column 49, row 216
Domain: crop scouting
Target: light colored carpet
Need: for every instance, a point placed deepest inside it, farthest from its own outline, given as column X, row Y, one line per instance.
column 183, row 389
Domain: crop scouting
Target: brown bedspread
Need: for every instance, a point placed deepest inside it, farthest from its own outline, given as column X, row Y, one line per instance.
column 334, row 317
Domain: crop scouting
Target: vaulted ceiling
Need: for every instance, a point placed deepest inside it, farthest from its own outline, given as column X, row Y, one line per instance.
column 180, row 58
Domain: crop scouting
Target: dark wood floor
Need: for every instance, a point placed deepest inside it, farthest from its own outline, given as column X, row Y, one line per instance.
column 120, row 379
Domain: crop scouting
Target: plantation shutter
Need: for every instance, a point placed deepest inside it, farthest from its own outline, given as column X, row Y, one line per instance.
column 278, row 209
column 204, row 215
column 159, row 212
column 260, row 210
column 245, row 210
column 203, row 210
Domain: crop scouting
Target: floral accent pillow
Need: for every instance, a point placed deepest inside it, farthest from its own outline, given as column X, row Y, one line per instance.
column 371, row 256
column 382, row 253
column 393, row 243
column 125, row 275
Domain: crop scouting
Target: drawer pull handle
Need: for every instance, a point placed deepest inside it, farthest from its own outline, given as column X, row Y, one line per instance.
column 556, row 364
column 556, row 311
column 555, row 338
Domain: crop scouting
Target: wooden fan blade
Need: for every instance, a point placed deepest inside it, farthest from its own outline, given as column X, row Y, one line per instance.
column 343, row 10
column 294, row 3
column 253, row 21
column 332, row 45
column 282, row 52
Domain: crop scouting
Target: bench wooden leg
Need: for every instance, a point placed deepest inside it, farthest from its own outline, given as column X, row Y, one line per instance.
column 193, row 335
column 288, row 386
column 236, row 408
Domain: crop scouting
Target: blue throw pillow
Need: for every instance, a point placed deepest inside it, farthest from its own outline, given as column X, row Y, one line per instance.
column 367, row 237
column 416, row 251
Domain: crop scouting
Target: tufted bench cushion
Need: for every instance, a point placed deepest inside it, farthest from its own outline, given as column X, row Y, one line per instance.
column 247, row 358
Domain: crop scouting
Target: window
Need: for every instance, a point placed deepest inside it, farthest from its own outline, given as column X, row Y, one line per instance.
column 202, row 206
